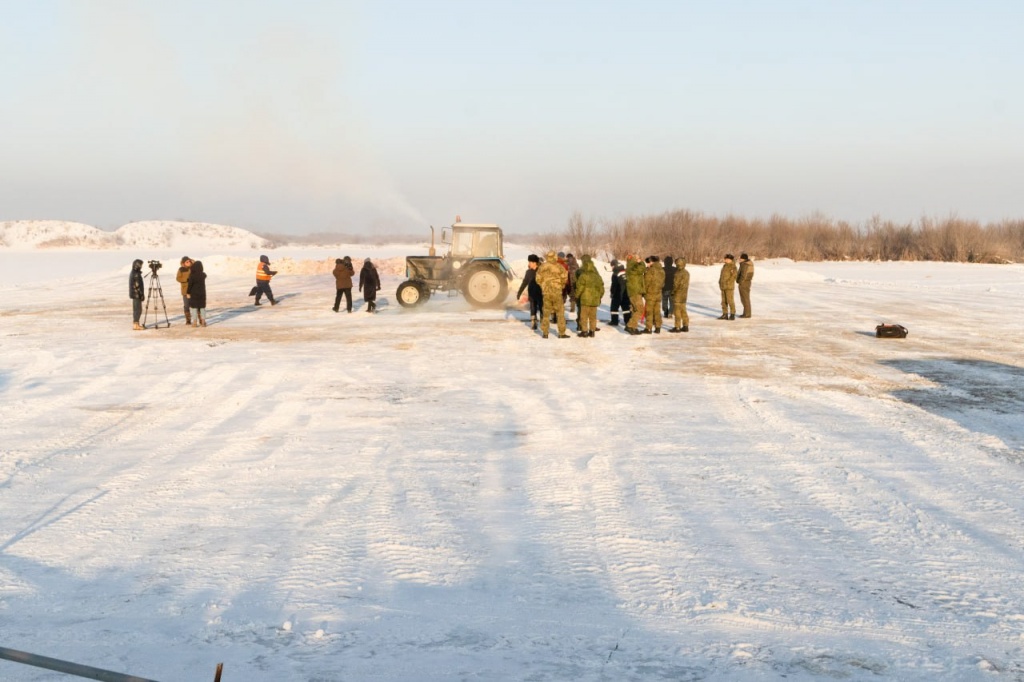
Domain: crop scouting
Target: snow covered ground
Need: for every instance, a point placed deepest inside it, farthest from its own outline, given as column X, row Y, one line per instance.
column 440, row 494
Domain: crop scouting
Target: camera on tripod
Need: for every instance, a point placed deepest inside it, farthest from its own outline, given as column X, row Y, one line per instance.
column 155, row 265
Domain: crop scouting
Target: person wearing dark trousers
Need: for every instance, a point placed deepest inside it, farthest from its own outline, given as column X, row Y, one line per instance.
column 343, row 274
column 263, row 275
column 136, row 292
column 182, row 279
column 666, row 293
column 533, row 290
column 619, row 297
column 197, row 293
column 369, row 284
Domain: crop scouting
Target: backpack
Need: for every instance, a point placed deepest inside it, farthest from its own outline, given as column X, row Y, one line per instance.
column 891, row 331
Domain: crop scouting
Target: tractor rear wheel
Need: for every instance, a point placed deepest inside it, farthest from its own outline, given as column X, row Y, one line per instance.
column 410, row 294
column 485, row 288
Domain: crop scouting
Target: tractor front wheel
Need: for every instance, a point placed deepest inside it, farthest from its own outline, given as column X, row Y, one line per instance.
column 410, row 294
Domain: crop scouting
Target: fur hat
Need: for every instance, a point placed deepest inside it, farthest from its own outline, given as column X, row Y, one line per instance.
column 533, row 258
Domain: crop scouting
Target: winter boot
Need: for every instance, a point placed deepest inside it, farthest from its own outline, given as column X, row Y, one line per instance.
column 724, row 316
column 685, row 328
column 533, row 321
column 202, row 321
column 188, row 319
column 544, row 335
column 136, row 326
column 657, row 330
column 732, row 316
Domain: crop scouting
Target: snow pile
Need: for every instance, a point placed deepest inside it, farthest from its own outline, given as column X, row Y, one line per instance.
column 150, row 234
column 49, row 234
column 162, row 234
column 287, row 265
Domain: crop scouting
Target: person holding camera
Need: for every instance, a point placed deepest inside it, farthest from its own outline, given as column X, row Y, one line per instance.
column 136, row 292
column 343, row 274
column 182, row 277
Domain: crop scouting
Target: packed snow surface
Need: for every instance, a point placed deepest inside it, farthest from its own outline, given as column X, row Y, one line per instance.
column 440, row 494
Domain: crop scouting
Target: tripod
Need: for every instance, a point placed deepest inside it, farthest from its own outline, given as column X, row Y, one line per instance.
column 155, row 288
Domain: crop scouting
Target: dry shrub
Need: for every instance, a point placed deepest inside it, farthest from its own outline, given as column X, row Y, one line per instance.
column 699, row 238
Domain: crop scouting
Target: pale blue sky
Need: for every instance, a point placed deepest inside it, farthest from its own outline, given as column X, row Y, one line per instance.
column 391, row 115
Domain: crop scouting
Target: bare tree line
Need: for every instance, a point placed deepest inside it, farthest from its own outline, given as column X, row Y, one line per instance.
column 701, row 238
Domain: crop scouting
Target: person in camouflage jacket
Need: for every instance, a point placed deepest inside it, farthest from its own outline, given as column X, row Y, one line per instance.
column 589, row 291
column 552, row 278
column 654, row 283
column 727, row 283
column 635, row 290
column 680, row 288
column 744, row 278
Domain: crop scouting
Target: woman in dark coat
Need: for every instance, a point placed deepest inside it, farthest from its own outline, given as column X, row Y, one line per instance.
column 136, row 292
column 343, row 272
column 197, row 293
column 369, row 284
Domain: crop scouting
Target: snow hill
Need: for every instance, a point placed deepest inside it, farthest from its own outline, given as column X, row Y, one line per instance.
column 149, row 234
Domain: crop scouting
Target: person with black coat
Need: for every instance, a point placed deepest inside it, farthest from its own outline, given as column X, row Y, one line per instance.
column 667, row 304
column 136, row 292
column 197, row 293
column 533, row 290
column 619, row 297
column 369, row 284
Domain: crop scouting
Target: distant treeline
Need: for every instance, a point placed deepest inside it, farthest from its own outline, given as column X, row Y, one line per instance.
column 701, row 238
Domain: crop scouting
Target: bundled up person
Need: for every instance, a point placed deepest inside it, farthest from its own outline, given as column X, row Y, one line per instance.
column 654, row 285
column 589, row 290
column 727, row 283
column 680, row 288
column 263, row 275
column 343, row 274
column 744, row 279
column 552, row 276
column 533, row 290
column 136, row 292
column 666, row 291
column 619, row 297
column 572, row 266
column 182, row 278
column 197, row 293
column 369, row 284
column 635, row 270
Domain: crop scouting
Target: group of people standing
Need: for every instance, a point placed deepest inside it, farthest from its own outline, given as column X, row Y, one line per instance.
column 369, row 283
column 639, row 289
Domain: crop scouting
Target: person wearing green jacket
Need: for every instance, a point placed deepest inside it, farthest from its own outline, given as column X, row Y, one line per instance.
column 654, row 282
column 635, row 290
column 744, row 278
column 727, row 283
column 680, row 288
column 589, row 291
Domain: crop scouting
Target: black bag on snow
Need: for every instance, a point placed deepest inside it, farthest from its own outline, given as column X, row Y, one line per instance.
column 252, row 292
column 891, row 331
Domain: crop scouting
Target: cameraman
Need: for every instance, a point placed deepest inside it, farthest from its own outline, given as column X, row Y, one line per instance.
column 136, row 292
column 182, row 277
